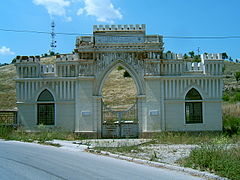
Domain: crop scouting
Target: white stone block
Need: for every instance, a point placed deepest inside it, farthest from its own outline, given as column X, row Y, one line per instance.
column 179, row 56
column 189, row 66
column 169, row 56
column 174, row 56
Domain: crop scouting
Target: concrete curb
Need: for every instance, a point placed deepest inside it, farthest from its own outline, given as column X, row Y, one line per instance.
column 193, row 172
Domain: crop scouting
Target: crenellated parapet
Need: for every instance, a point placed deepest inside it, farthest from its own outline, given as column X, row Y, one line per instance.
column 211, row 56
column 67, row 57
column 27, row 66
column 171, row 56
column 27, row 59
column 126, row 27
column 213, row 63
column 194, row 67
column 119, row 43
column 84, row 42
column 48, row 69
column 153, row 39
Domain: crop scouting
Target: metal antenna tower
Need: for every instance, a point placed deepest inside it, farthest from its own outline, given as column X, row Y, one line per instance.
column 53, row 34
column 198, row 50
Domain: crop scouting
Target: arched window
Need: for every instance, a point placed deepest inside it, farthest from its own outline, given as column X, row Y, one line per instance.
column 45, row 108
column 193, row 107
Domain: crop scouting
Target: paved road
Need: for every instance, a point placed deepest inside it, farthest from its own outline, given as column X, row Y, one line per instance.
column 32, row 161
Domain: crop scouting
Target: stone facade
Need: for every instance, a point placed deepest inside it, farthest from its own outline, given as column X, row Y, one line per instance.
column 163, row 81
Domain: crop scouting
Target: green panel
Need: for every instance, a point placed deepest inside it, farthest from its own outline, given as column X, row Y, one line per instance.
column 46, row 114
column 193, row 94
column 193, row 112
column 45, row 96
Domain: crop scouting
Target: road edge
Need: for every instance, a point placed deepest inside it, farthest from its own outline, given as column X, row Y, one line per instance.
column 190, row 171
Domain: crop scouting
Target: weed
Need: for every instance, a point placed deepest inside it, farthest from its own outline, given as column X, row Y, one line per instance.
column 44, row 134
column 50, row 144
column 231, row 125
column 185, row 137
column 120, row 149
column 222, row 160
column 5, row 131
column 153, row 157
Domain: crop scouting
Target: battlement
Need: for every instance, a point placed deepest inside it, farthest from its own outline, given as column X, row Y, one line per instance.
column 153, row 39
column 194, row 66
column 85, row 38
column 26, row 59
column 48, row 69
column 67, row 57
column 171, row 56
column 125, row 27
column 211, row 56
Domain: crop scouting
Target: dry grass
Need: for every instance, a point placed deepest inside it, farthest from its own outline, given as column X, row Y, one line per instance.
column 229, row 80
column 231, row 109
column 7, row 87
column 119, row 91
column 48, row 60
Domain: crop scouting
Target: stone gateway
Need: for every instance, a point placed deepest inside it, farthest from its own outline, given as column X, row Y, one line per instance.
column 173, row 94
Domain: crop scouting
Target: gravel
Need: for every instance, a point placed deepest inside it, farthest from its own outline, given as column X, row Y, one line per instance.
column 162, row 152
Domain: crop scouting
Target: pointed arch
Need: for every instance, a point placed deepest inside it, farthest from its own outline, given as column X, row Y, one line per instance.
column 45, row 108
column 193, row 94
column 45, row 95
column 193, row 107
column 136, row 77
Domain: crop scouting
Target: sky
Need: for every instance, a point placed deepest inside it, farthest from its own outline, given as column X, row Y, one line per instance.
column 163, row 17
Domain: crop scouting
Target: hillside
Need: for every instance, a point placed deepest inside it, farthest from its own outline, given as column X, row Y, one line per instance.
column 7, row 87
column 229, row 69
column 117, row 91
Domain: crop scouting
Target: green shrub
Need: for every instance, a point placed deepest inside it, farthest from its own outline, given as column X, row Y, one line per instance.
column 237, row 76
column 44, row 134
column 232, row 95
column 231, row 125
column 236, row 97
column 226, row 97
column 221, row 160
column 5, row 131
column 185, row 137
column 126, row 74
column 119, row 68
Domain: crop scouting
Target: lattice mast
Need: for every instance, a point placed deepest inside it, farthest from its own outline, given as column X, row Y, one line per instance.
column 53, row 35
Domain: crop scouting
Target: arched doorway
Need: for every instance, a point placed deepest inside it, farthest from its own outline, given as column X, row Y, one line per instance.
column 45, row 108
column 119, row 104
column 193, row 107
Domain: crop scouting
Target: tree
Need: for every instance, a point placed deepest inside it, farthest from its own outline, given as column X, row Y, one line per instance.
column 196, row 58
column 237, row 76
column 126, row 74
column 191, row 53
column 13, row 61
column 224, row 55
column 185, row 56
column 51, row 53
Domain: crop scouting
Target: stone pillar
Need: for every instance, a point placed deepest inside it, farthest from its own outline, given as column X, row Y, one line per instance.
column 77, row 102
column 18, row 90
column 68, row 71
column 68, row 90
column 97, row 116
column 64, row 90
column 162, row 106
column 141, row 115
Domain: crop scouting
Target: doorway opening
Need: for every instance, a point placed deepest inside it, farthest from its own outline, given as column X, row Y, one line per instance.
column 119, row 105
